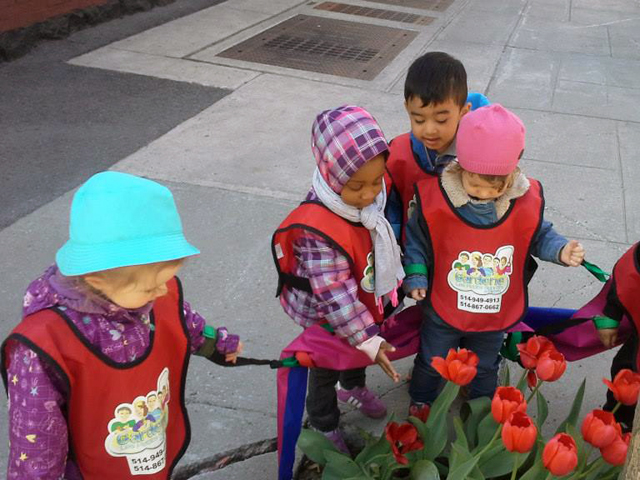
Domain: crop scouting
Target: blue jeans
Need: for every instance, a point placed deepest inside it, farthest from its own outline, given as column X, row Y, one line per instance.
column 436, row 338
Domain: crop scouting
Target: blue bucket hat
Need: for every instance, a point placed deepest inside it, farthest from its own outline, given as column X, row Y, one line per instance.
column 119, row 220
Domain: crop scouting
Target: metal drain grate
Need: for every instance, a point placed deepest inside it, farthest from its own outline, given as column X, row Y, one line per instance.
column 436, row 5
column 324, row 45
column 375, row 13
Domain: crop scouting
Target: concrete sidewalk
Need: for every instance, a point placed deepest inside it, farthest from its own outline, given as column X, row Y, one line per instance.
column 569, row 68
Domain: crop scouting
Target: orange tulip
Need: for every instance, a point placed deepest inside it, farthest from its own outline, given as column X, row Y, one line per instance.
column 531, row 351
column 519, row 433
column 600, row 428
column 625, row 386
column 460, row 367
column 551, row 366
column 616, row 452
column 560, row 455
column 505, row 401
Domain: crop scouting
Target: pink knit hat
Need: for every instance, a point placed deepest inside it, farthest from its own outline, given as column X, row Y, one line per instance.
column 490, row 141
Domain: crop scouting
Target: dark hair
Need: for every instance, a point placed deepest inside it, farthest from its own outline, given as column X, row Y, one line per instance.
column 436, row 77
column 124, row 408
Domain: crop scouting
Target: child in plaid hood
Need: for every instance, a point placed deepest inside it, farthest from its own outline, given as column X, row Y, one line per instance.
column 350, row 151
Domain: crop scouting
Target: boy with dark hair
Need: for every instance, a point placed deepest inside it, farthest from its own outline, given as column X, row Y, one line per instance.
column 436, row 98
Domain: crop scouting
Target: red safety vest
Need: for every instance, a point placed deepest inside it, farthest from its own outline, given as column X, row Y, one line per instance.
column 404, row 172
column 353, row 241
column 626, row 275
column 110, row 433
column 478, row 280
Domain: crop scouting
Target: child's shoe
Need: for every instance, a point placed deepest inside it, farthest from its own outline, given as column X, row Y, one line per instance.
column 365, row 400
column 335, row 436
column 419, row 410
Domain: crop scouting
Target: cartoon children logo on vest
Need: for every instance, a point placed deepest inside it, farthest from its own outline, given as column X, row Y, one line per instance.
column 138, row 429
column 368, row 275
column 480, row 279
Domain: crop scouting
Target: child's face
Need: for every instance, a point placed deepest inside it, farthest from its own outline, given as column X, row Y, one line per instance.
column 149, row 284
column 435, row 125
column 365, row 185
column 481, row 189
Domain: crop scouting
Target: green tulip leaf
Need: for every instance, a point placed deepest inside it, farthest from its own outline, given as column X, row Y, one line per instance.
column 486, row 429
column 574, row 413
column 461, row 437
column 315, row 445
column 437, row 437
column 462, row 471
column 472, row 412
column 425, row 470
column 378, row 449
column 499, row 461
column 543, row 409
column 536, row 472
column 340, row 466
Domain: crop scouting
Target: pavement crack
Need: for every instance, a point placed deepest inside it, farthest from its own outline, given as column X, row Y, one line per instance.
column 226, row 458
column 226, row 407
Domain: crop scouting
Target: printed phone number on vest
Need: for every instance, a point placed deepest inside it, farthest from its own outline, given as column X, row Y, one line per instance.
column 478, row 303
column 147, row 463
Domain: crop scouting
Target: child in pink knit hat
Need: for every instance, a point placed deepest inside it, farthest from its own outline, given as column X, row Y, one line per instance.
column 469, row 248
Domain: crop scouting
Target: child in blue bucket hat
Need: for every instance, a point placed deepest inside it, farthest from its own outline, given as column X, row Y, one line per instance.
column 95, row 371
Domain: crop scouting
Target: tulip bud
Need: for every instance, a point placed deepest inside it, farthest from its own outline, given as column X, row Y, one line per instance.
column 505, row 401
column 551, row 366
column 560, row 455
column 519, row 433
column 625, row 386
column 600, row 428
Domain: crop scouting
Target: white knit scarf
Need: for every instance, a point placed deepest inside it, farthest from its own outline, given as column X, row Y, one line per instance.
column 388, row 264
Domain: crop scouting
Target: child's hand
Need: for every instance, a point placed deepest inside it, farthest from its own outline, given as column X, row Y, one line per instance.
column 418, row 293
column 385, row 363
column 233, row 357
column 572, row 254
column 608, row 337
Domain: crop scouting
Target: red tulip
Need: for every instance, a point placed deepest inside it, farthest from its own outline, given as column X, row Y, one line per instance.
column 560, row 455
column 531, row 351
column 460, row 367
column 616, row 453
column 551, row 366
column 421, row 412
column 625, row 386
column 505, row 401
column 403, row 439
column 600, row 428
column 532, row 379
column 519, row 433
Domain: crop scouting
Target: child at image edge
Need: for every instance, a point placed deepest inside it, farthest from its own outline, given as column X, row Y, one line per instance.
column 468, row 249
column 95, row 372
column 324, row 252
column 435, row 98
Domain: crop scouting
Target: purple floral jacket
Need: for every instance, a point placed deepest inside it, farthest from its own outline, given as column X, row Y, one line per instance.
column 37, row 426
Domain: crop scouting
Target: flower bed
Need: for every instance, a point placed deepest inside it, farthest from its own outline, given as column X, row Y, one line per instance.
column 493, row 438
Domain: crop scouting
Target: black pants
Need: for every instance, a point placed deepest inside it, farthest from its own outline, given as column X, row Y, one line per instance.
column 625, row 358
column 322, row 402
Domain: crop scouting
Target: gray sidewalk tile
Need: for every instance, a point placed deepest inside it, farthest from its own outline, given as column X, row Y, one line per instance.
column 630, row 6
column 525, row 79
column 625, row 38
column 554, row 36
column 573, row 203
column 557, row 10
column 570, row 139
column 164, row 67
column 189, row 34
column 615, row 72
column 255, row 468
column 629, row 152
column 602, row 101
column 258, row 136
column 492, row 6
column 485, row 27
column 271, row 7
